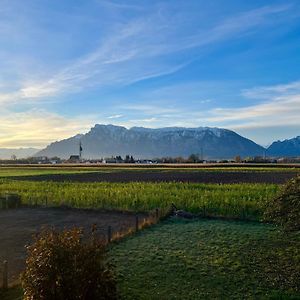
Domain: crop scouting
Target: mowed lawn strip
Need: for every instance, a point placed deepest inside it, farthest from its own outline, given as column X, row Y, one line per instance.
column 243, row 201
column 208, row 260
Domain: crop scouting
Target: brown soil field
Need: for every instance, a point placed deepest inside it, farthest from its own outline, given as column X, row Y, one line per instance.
column 18, row 226
column 200, row 177
column 153, row 166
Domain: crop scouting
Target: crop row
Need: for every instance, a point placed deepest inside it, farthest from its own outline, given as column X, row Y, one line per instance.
column 245, row 201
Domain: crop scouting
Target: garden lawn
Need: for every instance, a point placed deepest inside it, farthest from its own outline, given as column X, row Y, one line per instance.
column 208, row 260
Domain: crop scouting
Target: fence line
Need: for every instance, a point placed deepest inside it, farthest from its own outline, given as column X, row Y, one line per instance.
column 112, row 236
column 5, row 275
column 153, row 218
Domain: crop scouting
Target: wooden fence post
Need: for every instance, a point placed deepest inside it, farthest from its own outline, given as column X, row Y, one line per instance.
column 109, row 234
column 5, row 275
column 244, row 214
column 136, row 223
column 6, row 201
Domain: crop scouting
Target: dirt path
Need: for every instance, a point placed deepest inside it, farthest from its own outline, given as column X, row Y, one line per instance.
column 19, row 225
column 201, row 177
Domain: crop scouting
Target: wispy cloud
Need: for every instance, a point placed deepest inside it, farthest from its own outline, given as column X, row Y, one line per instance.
column 281, row 107
column 147, row 109
column 136, row 122
column 115, row 117
column 117, row 5
column 267, row 92
column 135, row 45
column 231, row 27
column 135, row 51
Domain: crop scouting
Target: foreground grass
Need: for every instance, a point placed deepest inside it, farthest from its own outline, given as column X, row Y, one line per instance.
column 14, row 293
column 202, row 259
column 208, row 260
column 243, row 201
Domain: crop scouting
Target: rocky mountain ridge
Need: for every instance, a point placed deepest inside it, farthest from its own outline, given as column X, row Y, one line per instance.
column 111, row 140
column 289, row 147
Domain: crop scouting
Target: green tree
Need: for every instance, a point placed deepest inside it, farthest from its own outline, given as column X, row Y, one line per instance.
column 193, row 158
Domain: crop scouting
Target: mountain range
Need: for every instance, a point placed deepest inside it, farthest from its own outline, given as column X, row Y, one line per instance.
column 289, row 147
column 110, row 140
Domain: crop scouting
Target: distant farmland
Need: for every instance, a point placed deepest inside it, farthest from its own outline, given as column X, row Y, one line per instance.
column 216, row 256
column 135, row 173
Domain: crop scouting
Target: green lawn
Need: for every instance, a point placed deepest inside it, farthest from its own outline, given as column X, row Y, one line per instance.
column 208, row 260
column 202, row 259
column 14, row 293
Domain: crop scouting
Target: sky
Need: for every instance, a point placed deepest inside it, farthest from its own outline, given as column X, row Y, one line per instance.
column 66, row 65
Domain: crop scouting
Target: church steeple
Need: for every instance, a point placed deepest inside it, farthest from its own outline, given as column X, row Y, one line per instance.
column 80, row 149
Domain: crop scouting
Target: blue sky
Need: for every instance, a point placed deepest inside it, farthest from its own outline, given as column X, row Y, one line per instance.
column 66, row 65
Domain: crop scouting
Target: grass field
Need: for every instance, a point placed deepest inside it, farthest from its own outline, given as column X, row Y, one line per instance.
column 12, row 171
column 177, row 259
column 244, row 201
column 208, row 260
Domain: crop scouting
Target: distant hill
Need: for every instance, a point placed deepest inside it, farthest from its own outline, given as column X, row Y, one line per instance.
column 290, row 147
column 6, row 153
column 110, row 140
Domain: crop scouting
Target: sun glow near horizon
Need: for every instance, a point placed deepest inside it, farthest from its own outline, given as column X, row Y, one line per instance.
column 168, row 63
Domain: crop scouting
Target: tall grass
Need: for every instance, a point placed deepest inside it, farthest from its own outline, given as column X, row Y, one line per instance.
column 245, row 201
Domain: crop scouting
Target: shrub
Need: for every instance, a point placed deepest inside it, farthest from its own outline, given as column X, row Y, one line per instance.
column 64, row 266
column 284, row 209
